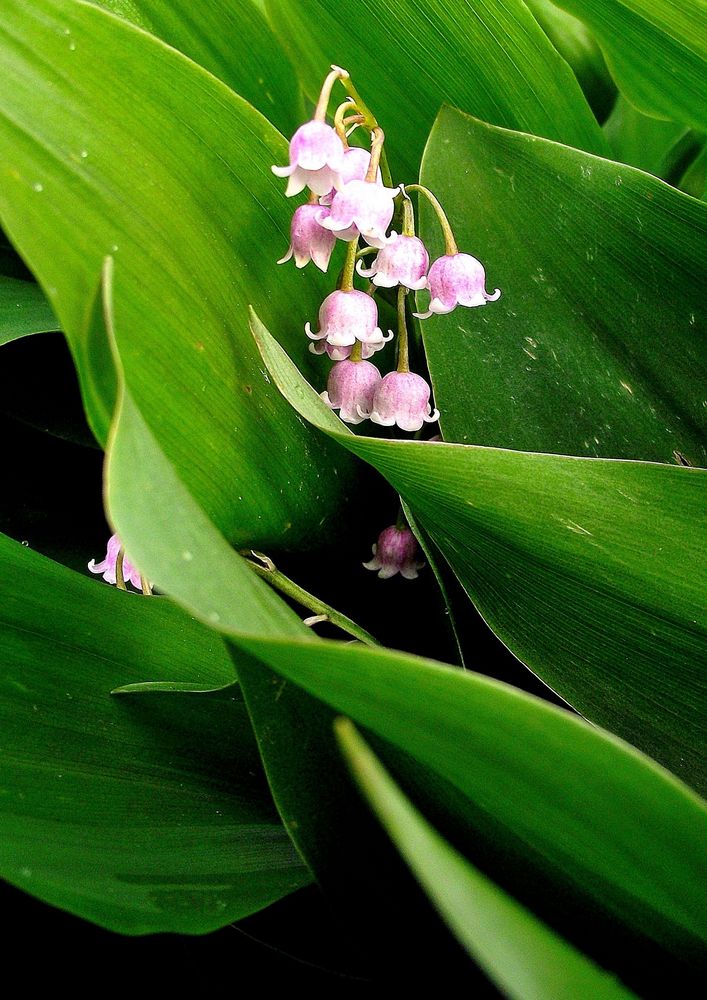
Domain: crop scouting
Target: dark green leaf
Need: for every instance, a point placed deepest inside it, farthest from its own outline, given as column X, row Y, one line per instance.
column 234, row 42
column 127, row 148
column 656, row 50
column 23, row 310
column 591, row 571
column 142, row 814
column 639, row 140
column 525, row 958
column 596, row 346
column 408, row 57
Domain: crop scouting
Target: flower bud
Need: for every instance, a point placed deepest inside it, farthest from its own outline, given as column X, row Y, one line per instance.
column 396, row 552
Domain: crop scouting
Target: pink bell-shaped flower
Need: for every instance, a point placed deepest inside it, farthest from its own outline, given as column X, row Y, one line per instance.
column 402, row 261
column 316, row 159
column 108, row 566
column 355, row 168
column 350, row 389
column 396, row 552
column 345, row 317
column 342, row 353
column 457, row 279
column 365, row 205
column 402, row 398
column 308, row 241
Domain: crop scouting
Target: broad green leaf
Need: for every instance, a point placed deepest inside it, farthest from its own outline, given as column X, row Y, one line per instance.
column 23, row 310
column 596, row 346
column 409, row 57
column 694, row 180
column 640, row 140
column 127, row 148
column 591, row 571
column 232, row 41
column 656, row 50
column 578, row 804
column 142, row 814
column 526, row 959
column 575, row 43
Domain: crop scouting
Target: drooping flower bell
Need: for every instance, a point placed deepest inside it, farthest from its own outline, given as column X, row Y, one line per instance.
column 108, row 567
column 350, row 389
column 396, row 551
column 361, row 207
column 402, row 261
column 457, row 279
column 316, row 151
column 316, row 159
column 402, row 398
column 308, row 240
column 348, row 316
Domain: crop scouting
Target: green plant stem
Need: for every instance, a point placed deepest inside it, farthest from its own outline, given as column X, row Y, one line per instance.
column 377, row 141
column 371, row 122
column 323, row 103
column 449, row 241
column 119, row 576
column 403, row 348
column 347, row 273
column 408, row 216
column 356, row 351
column 265, row 568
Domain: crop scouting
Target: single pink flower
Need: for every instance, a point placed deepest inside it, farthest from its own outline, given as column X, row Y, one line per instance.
column 350, row 389
column 107, row 567
column 355, row 168
column 457, row 279
column 396, row 552
column 316, row 159
column 402, row 398
column 308, row 241
column 345, row 317
column 364, row 205
column 402, row 261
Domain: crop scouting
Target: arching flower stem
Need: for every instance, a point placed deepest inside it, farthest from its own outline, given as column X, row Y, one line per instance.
column 337, row 73
column 449, row 241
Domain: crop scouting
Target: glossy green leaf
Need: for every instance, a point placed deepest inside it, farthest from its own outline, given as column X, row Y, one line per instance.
column 143, row 814
column 578, row 803
column 177, row 186
column 591, row 571
column 656, row 50
column 409, row 57
column 23, row 310
column 234, row 42
column 575, row 43
column 524, row 957
column 596, row 346
column 640, row 140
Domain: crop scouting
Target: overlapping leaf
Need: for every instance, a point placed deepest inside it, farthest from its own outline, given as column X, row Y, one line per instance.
column 591, row 571
column 178, row 187
column 409, row 57
column 23, row 310
column 596, row 346
column 144, row 816
column 523, row 956
column 234, row 42
column 656, row 49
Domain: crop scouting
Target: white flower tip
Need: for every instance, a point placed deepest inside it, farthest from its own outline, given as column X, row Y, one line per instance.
column 432, row 417
column 386, row 340
column 288, row 256
column 364, row 416
column 496, row 294
column 325, row 396
column 417, row 286
column 312, row 336
column 364, row 272
column 282, row 171
column 425, row 315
